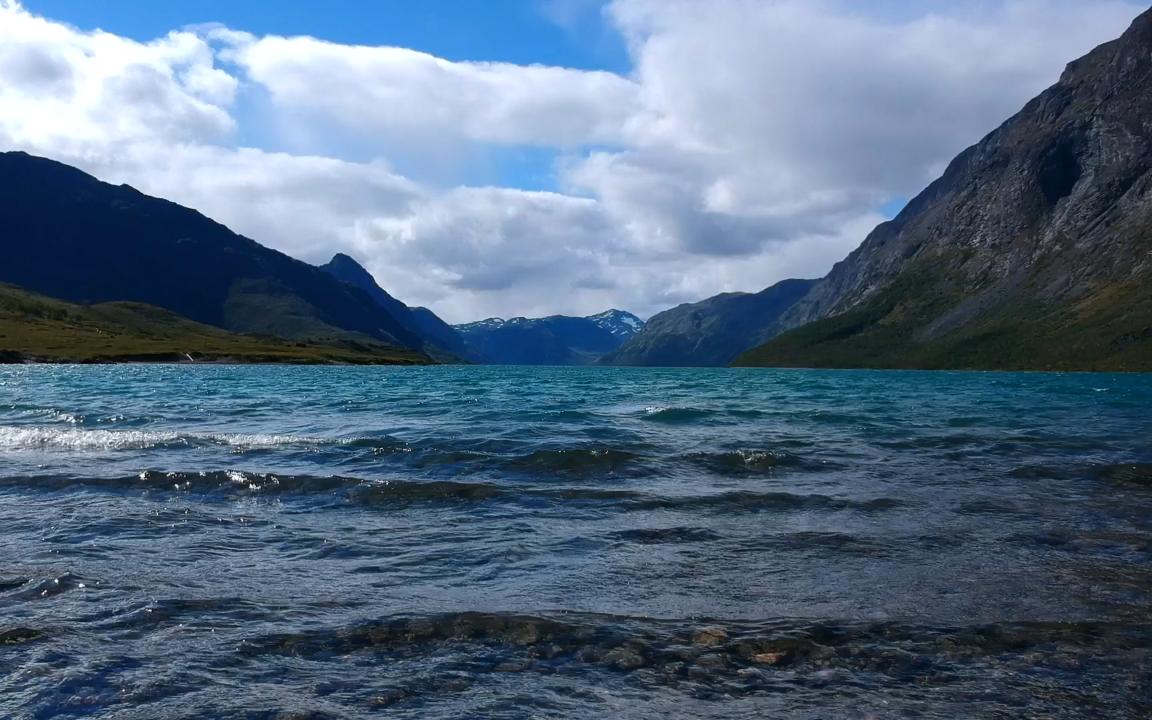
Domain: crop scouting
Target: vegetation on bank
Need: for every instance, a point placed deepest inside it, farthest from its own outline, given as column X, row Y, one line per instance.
column 906, row 326
column 34, row 328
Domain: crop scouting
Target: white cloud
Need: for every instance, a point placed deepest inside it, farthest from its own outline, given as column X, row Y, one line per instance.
column 394, row 91
column 764, row 121
column 63, row 88
column 753, row 140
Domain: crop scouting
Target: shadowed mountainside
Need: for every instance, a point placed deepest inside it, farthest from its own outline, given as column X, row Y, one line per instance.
column 420, row 321
column 711, row 332
column 1033, row 251
column 70, row 236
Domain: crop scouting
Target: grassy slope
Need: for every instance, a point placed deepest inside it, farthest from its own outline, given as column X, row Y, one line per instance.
column 33, row 327
column 1109, row 328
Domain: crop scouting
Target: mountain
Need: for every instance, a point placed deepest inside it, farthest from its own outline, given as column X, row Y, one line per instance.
column 1032, row 251
column 618, row 323
column 711, row 332
column 422, row 322
column 555, row 340
column 37, row 328
column 68, row 235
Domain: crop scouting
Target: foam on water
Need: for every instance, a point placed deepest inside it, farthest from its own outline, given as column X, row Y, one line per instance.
column 27, row 437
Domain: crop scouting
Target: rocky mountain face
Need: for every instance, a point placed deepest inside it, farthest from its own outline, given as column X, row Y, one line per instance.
column 555, row 340
column 436, row 334
column 711, row 332
column 69, row 236
column 1034, row 250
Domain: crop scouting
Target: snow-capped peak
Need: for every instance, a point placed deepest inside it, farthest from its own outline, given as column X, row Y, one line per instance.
column 618, row 322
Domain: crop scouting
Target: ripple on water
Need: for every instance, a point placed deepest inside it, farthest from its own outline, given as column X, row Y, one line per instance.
column 203, row 542
column 754, row 462
column 677, row 415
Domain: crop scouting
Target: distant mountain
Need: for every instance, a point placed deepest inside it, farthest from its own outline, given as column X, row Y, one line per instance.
column 40, row 329
column 1033, row 251
column 68, row 235
column 711, row 332
column 619, row 323
column 555, row 340
column 422, row 322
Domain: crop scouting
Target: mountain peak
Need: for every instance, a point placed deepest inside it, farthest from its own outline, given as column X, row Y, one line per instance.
column 420, row 321
column 552, row 340
column 76, row 238
column 345, row 263
column 620, row 323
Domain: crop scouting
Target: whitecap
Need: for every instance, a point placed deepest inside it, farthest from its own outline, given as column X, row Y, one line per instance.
column 57, row 438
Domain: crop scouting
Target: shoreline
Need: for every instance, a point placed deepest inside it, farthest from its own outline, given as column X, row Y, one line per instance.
column 10, row 358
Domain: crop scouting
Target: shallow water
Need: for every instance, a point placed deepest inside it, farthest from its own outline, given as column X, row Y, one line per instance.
column 259, row 542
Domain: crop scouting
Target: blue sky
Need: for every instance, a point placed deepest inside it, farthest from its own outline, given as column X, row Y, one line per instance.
column 569, row 33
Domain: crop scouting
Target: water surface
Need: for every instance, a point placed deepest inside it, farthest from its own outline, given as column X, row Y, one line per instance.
column 445, row 542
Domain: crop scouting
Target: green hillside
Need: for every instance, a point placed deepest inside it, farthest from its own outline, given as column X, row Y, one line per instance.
column 40, row 329
column 1108, row 328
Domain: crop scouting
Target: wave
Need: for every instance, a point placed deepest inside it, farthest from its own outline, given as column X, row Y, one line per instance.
column 747, row 501
column 839, row 543
column 402, row 493
column 676, row 415
column 399, row 492
column 29, row 589
column 207, row 482
column 57, row 438
column 751, row 462
column 1127, row 474
column 578, row 460
column 666, row 536
column 563, row 460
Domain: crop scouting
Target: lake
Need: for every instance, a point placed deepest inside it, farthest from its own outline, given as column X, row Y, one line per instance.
column 446, row 542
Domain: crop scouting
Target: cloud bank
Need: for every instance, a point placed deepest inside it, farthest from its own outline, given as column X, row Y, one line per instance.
column 753, row 140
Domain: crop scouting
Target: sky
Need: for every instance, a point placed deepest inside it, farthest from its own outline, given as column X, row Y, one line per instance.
column 531, row 157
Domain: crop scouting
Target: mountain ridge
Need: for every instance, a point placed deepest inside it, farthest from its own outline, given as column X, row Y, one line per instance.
column 73, row 237
column 552, row 340
column 1032, row 251
column 420, row 321
column 711, row 332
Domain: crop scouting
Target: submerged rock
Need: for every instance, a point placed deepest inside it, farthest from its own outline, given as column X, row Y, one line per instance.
column 709, row 637
column 770, row 658
column 16, row 636
column 625, row 658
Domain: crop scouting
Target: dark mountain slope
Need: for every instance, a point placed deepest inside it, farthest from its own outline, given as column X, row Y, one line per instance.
column 68, row 235
column 37, row 328
column 1034, row 250
column 420, row 321
column 711, row 332
column 555, row 340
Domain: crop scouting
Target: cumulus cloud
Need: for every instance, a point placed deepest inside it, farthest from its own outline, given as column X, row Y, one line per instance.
column 397, row 91
column 764, row 121
column 753, row 140
column 63, row 88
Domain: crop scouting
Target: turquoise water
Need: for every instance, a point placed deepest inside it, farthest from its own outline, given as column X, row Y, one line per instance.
column 444, row 542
